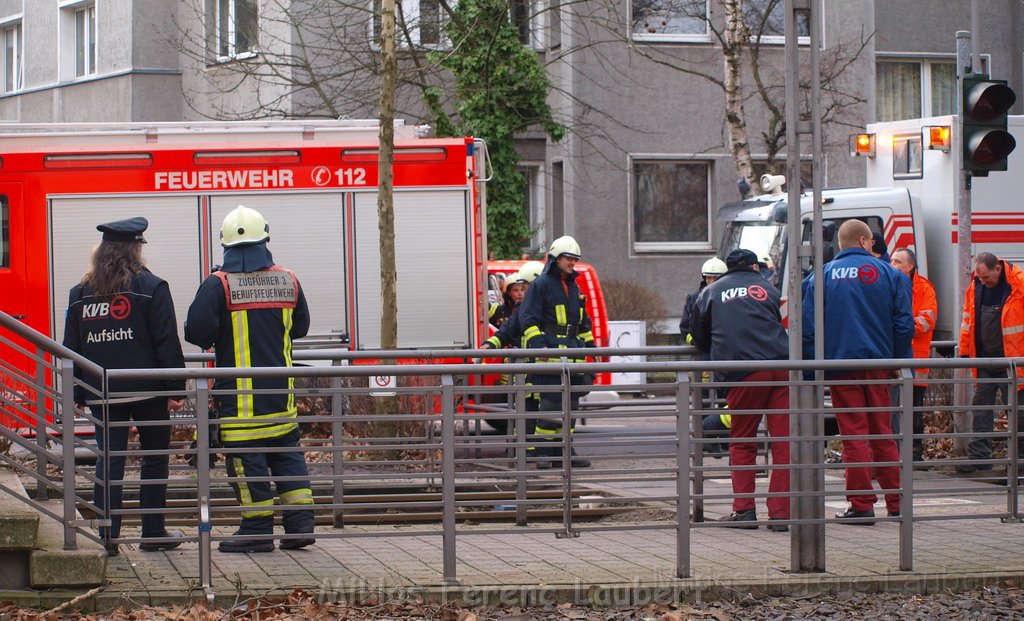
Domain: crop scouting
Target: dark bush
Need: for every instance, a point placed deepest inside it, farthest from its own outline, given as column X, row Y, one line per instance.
column 628, row 300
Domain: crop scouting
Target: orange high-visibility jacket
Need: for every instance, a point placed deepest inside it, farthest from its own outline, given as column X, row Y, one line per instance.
column 926, row 312
column 1013, row 317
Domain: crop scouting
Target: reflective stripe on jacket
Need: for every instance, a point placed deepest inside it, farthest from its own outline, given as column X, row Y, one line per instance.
column 926, row 313
column 1012, row 316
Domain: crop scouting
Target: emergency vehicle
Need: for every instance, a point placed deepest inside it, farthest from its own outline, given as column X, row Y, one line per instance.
column 910, row 197
column 314, row 181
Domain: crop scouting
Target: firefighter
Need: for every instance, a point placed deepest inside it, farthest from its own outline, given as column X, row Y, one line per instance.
column 121, row 316
column 498, row 313
column 554, row 315
column 249, row 311
column 510, row 332
column 711, row 271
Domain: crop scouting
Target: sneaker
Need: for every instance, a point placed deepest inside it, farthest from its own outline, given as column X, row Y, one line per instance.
column 579, row 462
column 112, row 550
column 246, row 546
column 296, row 544
column 749, row 515
column 778, row 528
column 156, row 546
column 852, row 513
column 895, row 513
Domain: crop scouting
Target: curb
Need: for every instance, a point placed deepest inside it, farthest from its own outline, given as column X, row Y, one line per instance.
column 597, row 595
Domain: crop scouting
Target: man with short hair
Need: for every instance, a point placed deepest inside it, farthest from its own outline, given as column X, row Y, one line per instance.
column 867, row 316
column 738, row 318
column 993, row 327
column 926, row 311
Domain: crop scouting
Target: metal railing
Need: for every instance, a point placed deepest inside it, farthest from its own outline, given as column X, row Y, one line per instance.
column 415, row 462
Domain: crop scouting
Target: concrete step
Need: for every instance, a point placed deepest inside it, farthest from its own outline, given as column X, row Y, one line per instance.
column 19, row 522
column 51, row 566
column 32, row 553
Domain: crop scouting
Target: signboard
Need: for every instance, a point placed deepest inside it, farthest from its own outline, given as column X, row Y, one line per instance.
column 383, row 385
column 627, row 334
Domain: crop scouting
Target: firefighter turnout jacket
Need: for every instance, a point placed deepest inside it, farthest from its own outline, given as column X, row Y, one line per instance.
column 553, row 314
column 251, row 319
column 132, row 329
column 1012, row 316
column 737, row 317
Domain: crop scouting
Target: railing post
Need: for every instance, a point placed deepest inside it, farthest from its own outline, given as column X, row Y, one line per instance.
column 696, row 407
column 1013, row 463
column 521, row 451
column 567, row 425
column 67, row 424
column 683, row 475
column 338, row 454
column 42, row 436
column 907, row 470
column 203, row 484
column 448, row 479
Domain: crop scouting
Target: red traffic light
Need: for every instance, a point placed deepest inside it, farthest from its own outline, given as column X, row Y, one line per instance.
column 989, row 148
column 985, row 101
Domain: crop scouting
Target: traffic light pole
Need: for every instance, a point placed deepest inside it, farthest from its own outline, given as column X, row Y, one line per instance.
column 964, row 66
column 807, row 541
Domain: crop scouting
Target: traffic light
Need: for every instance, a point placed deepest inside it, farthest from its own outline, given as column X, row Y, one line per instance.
column 986, row 142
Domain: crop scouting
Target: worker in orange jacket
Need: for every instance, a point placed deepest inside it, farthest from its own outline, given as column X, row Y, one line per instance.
column 993, row 327
column 926, row 312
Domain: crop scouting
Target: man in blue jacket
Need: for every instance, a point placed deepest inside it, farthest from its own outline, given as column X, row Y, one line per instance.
column 867, row 316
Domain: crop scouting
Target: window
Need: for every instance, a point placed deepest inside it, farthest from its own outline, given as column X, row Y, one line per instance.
column 237, row 32
column 533, row 206
column 5, row 232
column 13, row 47
column 421, row 18
column 555, row 27
column 914, row 88
column 526, row 16
column 668, row 20
column 907, row 157
column 85, row 40
column 670, row 205
column 766, row 20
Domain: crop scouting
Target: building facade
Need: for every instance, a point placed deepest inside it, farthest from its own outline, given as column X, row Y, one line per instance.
column 646, row 163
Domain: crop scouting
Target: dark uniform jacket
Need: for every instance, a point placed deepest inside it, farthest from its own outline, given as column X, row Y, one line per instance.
column 737, row 317
column 554, row 313
column 510, row 333
column 133, row 329
column 250, row 319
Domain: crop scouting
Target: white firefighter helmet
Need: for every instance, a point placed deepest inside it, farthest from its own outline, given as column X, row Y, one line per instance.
column 713, row 267
column 565, row 245
column 529, row 272
column 243, row 226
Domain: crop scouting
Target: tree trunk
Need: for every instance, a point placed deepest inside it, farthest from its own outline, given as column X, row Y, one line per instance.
column 386, row 209
column 735, row 115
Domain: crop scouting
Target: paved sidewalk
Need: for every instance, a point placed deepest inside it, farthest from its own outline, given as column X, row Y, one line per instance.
column 593, row 567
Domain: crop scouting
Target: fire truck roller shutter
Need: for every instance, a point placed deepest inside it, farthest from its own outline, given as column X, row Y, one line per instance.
column 307, row 236
column 432, row 238
column 171, row 252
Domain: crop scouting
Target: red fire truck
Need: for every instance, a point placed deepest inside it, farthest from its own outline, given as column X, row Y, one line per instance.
column 316, row 183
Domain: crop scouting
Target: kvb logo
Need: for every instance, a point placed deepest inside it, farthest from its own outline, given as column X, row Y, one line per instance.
column 119, row 308
column 868, row 274
column 758, row 293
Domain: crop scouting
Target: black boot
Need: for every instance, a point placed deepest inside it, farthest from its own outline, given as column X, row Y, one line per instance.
column 251, row 526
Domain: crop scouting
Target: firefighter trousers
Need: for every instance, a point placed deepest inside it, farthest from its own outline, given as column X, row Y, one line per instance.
column 257, row 498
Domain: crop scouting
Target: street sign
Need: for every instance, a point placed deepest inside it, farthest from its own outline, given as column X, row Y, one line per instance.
column 383, row 385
